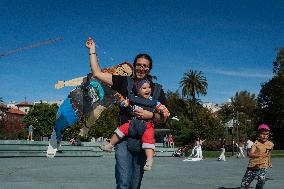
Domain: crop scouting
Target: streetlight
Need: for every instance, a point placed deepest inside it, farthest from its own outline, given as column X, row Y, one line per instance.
column 176, row 119
column 247, row 121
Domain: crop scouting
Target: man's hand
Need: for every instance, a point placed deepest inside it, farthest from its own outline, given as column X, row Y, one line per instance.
column 142, row 114
column 90, row 44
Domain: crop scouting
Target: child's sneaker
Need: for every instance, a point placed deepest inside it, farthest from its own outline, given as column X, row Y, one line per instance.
column 148, row 165
column 108, row 147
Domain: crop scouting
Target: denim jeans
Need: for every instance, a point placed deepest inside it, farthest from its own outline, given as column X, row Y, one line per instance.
column 128, row 167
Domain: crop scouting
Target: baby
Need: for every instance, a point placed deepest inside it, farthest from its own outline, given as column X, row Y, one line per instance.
column 143, row 89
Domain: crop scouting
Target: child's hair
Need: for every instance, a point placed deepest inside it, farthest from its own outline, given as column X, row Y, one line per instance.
column 140, row 83
column 263, row 128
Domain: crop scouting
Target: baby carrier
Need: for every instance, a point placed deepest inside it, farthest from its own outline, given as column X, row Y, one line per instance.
column 137, row 126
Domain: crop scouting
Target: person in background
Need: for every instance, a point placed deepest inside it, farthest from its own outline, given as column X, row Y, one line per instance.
column 165, row 141
column 249, row 144
column 31, row 129
column 171, row 141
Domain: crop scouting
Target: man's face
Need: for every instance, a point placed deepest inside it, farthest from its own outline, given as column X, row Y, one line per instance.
column 142, row 68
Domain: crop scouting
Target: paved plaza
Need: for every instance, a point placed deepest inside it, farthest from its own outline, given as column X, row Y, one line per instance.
column 98, row 173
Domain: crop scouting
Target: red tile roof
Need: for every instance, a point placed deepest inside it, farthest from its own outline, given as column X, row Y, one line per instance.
column 16, row 111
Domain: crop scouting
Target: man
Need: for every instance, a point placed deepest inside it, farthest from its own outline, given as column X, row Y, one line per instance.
column 129, row 165
column 30, row 128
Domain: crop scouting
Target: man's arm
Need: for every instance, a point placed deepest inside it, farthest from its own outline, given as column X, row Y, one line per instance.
column 96, row 70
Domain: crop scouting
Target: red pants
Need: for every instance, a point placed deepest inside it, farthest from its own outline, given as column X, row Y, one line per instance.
column 148, row 140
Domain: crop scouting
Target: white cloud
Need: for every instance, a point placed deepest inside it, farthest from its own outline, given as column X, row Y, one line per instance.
column 242, row 73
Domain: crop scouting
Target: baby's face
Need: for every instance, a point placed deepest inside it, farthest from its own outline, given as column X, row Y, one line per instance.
column 145, row 90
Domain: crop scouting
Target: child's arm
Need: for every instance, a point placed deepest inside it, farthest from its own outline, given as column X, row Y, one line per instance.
column 269, row 157
column 254, row 154
column 162, row 108
column 123, row 103
column 269, row 160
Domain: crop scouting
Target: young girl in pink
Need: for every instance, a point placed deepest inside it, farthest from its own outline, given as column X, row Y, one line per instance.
column 260, row 159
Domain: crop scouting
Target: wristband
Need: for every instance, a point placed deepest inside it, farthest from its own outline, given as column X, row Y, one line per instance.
column 92, row 53
column 153, row 116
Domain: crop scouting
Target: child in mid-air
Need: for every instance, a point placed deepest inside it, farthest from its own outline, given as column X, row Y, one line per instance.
column 143, row 89
column 260, row 159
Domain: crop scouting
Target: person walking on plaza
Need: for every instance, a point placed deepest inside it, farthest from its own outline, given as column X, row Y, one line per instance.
column 165, row 141
column 31, row 129
column 249, row 144
column 222, row 156
column 197, row 150
column 260, row 159
column 240, row 150
column 129, row 164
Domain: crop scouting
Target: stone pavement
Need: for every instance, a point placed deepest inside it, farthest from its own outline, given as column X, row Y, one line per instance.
column 98, row 173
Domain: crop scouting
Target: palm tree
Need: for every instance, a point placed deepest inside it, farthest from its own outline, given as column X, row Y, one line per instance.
column 192, row 83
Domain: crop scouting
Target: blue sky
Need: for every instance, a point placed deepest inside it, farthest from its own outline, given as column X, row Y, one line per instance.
column 232, row 42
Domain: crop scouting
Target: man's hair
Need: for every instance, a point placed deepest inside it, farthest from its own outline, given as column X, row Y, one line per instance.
column 145, row 56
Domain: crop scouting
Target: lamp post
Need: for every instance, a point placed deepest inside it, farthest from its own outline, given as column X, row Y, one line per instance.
column 237, row 126
column 233, row 142
column 248, row 121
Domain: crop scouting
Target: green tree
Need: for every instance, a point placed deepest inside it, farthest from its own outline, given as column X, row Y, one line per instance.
column 193, row 83
column 106, row 124
column 42, row 116
column 278, row 64
column 175, row 104
column 271, row 106
column 244, row 102
column 243, row 108
column 74, row 131
column 206, row 126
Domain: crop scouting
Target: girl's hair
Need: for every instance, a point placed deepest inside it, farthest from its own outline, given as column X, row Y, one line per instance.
column 147, row 57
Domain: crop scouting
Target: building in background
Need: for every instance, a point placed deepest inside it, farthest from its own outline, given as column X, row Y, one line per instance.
column 212, row 107
column 24, row 106
column 13, row 120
